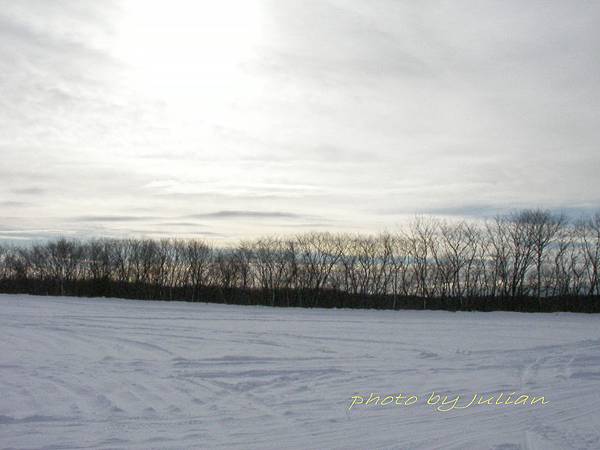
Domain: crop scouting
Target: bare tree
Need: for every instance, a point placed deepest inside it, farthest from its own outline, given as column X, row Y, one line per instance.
column 588, row 233
column 544, row 228
column 197, row 258
column 318, row 253
column 420, row 237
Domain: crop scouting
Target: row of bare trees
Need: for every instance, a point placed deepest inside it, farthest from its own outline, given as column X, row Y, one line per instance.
column 528, row 260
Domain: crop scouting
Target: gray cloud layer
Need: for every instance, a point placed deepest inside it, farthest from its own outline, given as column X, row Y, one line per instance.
column 246, row 214
column 344, row 113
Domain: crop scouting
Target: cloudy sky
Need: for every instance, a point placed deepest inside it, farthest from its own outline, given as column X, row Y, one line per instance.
column 230, row 119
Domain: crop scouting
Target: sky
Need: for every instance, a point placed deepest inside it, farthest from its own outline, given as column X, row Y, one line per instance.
column 229, row 119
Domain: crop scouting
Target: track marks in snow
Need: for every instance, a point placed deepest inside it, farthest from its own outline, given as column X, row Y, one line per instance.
column 102, row 373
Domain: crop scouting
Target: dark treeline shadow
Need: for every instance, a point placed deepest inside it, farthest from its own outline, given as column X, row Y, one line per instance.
column 530, row 260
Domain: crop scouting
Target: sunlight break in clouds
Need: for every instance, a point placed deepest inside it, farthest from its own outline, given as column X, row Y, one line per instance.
column 190, row 53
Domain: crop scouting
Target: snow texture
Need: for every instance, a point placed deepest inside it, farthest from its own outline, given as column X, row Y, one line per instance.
column 106, row 373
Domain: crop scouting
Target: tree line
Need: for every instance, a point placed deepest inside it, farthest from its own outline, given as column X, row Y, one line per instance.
column 530, row 260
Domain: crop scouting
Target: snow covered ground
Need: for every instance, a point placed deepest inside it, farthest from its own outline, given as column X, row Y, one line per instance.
column 104, row 373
